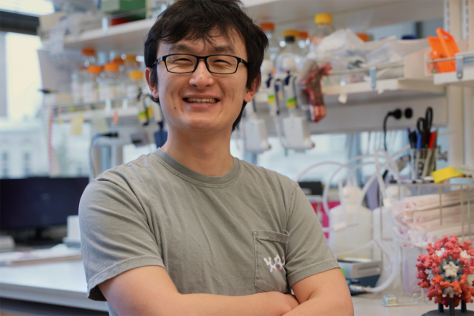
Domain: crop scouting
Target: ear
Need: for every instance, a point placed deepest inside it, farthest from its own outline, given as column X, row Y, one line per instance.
column 152, row 84
column 250, row 92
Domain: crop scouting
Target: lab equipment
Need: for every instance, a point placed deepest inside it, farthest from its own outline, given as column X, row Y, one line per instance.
column 295, row 127
column 443, row 46
column 303, row 42
column 78, row 75
column 347, row 230
column 135, row 85
column 290, row 50
column 255, row 131
column 447, row 271
column 90, row 85
column 108, row 81
column 423, row 125
column 273, row 46
column 323, row 27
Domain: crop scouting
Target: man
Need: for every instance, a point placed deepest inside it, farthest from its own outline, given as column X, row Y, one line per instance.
column 189, row 229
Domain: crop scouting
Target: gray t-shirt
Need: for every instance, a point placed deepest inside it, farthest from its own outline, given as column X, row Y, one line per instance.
column 249, row 231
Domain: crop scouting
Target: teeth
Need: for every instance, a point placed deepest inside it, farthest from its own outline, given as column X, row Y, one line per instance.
column 195, row 100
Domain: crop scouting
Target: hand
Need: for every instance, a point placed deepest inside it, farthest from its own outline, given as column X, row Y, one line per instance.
column 288, row 302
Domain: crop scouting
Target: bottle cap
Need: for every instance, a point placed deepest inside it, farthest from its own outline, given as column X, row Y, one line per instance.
column 88, row 51
column 323, row 18
column 112, row 67
column 363, row 36
column 94, row 69
column 131, row 58
column 303, row 35
column 135, row 74
column 267, row 26
column 118, row 60
column 291, row 33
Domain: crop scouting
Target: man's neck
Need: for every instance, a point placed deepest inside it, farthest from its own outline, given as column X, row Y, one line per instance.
column 210, row 156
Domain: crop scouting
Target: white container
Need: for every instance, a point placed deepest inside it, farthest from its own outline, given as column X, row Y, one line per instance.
column 273, row 45
column 90, row 85
column 135, row 84
column 291, row 50
column 108, row 81
column 351, row 231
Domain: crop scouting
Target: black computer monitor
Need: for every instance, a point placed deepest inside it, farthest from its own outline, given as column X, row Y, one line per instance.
column 39, row 202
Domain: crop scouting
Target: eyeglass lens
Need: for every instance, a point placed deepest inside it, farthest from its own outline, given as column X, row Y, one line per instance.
column 217, row 64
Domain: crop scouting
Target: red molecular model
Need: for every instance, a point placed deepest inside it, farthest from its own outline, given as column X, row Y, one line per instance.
column 447, row 271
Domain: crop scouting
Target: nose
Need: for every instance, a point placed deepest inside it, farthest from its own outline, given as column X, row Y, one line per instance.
column 201, row 77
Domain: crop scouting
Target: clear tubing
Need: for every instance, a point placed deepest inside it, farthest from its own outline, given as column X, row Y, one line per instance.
column 301, row 174
column 395, row 268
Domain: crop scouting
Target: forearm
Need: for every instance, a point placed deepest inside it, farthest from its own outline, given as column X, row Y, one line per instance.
column 265, row 304
column 323, row 306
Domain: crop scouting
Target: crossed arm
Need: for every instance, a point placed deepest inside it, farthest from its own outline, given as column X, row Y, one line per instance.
column 150, row 291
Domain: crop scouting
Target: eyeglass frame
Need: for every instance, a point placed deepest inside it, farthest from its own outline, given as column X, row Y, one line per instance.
column 163, row 59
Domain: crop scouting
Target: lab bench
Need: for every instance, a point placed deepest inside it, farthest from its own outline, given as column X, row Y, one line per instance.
column 62, row 286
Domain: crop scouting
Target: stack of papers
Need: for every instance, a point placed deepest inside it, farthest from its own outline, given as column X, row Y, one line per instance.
column 39, row 256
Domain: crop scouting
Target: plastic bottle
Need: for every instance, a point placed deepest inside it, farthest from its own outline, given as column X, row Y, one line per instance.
column 135, row 84
column 291, row 49
column 323, row 27
column 303, row 42
column 273, row 44
column 122, row 78
column 80, row 73
column 348, row 238
column 130, row 64
column 108, row 81
column 90, row 85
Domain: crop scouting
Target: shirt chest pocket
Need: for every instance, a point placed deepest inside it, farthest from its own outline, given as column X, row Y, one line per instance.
column 270, row 257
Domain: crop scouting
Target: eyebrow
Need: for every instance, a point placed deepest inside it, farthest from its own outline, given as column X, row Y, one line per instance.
column 183, row 48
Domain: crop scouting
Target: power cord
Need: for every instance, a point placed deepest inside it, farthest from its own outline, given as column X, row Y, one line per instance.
column 397, row 114
column 94, row 138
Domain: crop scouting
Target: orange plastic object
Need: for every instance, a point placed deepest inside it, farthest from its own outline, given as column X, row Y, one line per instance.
column 111, row 67
column 267, row 26
column 443, row 46
column 94, row 69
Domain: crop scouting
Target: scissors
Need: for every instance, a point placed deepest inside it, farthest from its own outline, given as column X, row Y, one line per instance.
column 423, row 125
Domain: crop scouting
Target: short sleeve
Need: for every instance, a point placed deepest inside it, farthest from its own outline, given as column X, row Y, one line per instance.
column 307, row 251
column 115, row 235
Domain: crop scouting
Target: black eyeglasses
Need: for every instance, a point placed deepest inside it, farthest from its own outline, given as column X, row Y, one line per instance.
column 186, row 63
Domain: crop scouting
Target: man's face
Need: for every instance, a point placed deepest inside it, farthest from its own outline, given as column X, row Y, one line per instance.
column 178, row 93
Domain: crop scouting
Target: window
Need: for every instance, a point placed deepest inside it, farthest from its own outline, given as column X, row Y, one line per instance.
column 24, row 121
column 4, row 165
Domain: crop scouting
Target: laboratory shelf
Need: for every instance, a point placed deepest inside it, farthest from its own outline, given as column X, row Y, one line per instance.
column 384, row 85
column 127, row 113
column 125, row 38
column 129, row 37
column 450, row 78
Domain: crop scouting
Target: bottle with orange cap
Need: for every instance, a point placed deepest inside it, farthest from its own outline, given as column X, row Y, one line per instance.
column 303, row 42
column 273, row 44
column 130, row 63
column 323, row 27
column 77, row 77
column 108, row 81
column 90, row 85
column 291, row 50
column 136, row 84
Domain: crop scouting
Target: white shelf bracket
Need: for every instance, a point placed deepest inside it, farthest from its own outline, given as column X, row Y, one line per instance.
column 373, row 77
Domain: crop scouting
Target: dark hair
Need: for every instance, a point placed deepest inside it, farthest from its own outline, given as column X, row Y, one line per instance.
column 205, row 19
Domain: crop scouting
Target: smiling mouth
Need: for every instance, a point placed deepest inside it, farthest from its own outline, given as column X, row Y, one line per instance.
column 196, row 100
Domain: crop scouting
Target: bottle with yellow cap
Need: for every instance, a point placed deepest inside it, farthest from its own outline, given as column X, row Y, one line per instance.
column 108, row 81
column 291, row 49
column 273, row 45
column 323, row 27
column 90, row 85
column 135, row 84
